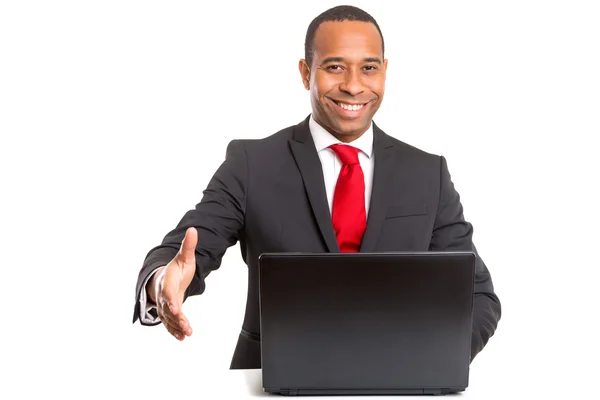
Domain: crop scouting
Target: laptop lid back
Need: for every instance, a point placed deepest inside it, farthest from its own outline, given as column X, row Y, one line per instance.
column 366, row 322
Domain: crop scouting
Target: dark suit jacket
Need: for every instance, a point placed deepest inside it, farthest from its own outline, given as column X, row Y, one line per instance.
column 270, row 195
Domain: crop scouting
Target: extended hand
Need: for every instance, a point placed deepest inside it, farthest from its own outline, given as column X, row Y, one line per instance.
column 170, row 283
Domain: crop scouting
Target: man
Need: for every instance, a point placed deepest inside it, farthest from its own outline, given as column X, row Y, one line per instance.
column 334, row 182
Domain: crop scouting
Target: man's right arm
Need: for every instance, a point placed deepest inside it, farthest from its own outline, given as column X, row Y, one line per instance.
column 218, row 219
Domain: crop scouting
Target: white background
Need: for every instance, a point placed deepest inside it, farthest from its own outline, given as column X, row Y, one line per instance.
column 115, row 114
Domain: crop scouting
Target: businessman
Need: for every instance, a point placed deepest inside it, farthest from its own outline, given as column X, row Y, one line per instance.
column 334, row 182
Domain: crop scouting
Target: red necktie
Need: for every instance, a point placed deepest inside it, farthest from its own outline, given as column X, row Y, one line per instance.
column 348, row 212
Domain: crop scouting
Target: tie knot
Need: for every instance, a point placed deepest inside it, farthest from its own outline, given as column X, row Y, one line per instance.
column 346, row 154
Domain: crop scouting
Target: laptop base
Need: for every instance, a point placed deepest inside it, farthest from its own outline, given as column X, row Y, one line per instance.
column 379, row 391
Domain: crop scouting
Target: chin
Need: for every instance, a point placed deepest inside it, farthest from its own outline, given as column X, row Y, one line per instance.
column 352, row 129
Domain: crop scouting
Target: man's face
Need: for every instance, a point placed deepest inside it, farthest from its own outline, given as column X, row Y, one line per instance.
column 347, row 77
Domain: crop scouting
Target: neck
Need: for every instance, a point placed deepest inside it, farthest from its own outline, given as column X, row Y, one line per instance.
column 346, row 137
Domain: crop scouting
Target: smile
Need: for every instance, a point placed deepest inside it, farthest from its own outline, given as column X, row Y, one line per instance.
column 349, row 106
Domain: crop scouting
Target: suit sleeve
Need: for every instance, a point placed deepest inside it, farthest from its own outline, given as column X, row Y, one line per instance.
column 452, row 233
column 218, row 218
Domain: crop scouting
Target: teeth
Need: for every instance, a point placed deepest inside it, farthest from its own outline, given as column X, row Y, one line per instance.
column 351, row 107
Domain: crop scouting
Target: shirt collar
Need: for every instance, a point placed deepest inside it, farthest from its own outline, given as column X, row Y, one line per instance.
column 324, row 139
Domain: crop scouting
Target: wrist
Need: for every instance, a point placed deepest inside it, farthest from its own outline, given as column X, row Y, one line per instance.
column 152, row 286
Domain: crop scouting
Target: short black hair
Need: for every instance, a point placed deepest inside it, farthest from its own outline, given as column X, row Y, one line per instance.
column 336, row 14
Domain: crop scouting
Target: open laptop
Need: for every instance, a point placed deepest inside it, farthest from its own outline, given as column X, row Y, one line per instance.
column 361, row 323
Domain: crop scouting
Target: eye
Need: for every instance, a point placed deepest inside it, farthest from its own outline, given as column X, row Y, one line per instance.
column 370, row 67
column 334, row 67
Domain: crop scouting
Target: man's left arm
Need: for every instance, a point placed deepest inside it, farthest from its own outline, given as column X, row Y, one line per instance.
column 451, row 232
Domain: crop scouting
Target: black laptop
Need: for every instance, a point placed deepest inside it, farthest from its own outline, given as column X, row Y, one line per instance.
column 360, row 323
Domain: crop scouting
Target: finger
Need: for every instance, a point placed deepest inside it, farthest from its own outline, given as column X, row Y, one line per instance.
column 184, row 325
column 180, row 322
column 174, row 331
column 170, row 323
column 188, row 246
column 170, row 305
column 167, row 318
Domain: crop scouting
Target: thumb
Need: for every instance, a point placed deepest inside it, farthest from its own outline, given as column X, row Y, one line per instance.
column 188, row 246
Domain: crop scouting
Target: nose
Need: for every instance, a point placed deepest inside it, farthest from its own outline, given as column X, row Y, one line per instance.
column 351, row 83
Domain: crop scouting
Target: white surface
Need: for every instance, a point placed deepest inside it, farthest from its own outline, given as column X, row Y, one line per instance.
column 115, row 114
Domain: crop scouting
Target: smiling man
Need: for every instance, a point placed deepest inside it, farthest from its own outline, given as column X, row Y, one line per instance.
column 334, row 182
column 344, row 70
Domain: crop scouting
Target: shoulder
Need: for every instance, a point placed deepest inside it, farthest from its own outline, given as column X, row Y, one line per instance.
column 273, row 142
column 264, row 155
column 405, row 150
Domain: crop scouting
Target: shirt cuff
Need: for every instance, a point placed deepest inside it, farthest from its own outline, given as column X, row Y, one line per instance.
column 148, row 312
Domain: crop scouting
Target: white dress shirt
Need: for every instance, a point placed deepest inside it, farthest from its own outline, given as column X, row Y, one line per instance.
column 331, row 166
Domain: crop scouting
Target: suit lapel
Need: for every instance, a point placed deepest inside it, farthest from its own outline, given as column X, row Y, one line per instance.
column 309, row 164
column 382, row 178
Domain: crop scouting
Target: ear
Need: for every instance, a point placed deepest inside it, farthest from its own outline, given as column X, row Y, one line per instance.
column 385, row 65
column 304, row 73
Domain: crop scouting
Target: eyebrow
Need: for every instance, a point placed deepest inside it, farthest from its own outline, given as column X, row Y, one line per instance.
column 341, row 59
